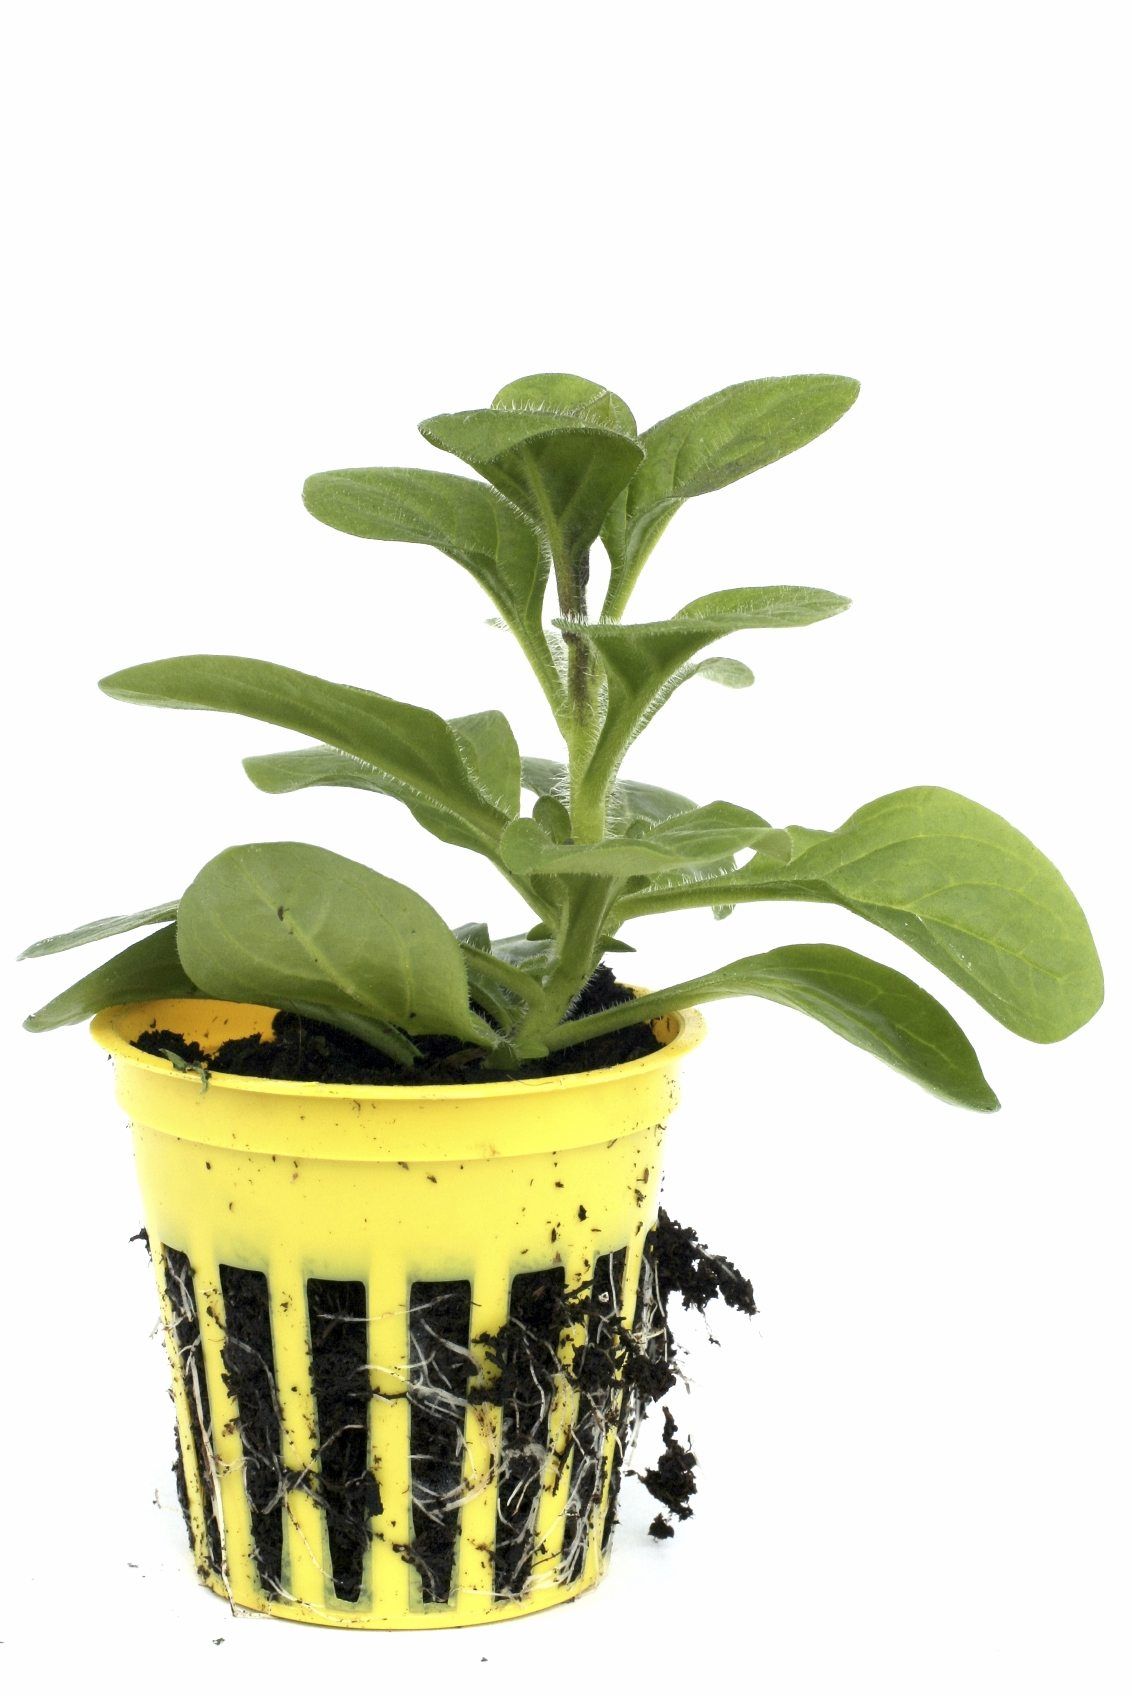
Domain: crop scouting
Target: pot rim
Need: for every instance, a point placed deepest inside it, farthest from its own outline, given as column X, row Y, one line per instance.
column 114, row 1028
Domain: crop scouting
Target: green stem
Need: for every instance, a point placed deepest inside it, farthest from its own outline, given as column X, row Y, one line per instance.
column 636, row 1012
column 579, row 941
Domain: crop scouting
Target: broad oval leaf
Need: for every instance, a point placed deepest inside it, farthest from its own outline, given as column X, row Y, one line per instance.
column 286, row 925
column 149, row 970
column 710, row 444
column 416, row 752
column 460, row 517
column 958, row 884
column 98, row 929
column 563, row 474
column 869, row 1004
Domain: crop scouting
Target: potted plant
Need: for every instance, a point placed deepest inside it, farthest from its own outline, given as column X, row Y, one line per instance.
column 401, row 1180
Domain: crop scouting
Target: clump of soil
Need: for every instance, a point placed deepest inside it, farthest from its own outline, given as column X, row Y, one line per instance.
column 672, row 1480
column 685, row 1268
column 619, row 1372
column 303, row 1050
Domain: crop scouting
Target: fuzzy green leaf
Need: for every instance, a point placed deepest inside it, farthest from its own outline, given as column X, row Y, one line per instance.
column 486, row 742
column 868, row 1004
column 708, row 445
column 730, row 674
column 685, row 840
column 587, row 403
column 955, row 882
column 491, row 754
column 643, row 662
column 291, row 926
column 564, row 475
column 460, row 517
column 98, row 929
column 148, row 970
column 574, row 397
column 417, row 754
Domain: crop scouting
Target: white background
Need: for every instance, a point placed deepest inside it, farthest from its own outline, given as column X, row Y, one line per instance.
column 252, row 241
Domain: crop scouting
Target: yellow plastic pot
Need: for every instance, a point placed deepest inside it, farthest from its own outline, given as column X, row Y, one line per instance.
column 307, row 1237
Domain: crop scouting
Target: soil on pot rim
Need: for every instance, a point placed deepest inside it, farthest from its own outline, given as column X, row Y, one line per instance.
column 305, row 1051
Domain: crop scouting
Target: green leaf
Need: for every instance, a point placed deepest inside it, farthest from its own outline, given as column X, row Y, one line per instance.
column 731, row 674
column 486, row 744
column 491, row 754
column 587, row 403
column 460, row 517
column 149, row 970
column 643, row 662
column 552, row 818
column 575, row 397
column 628, row 800
column 955, row 882
column 545, row 777
column 564, row 475
column 418, row 755
column 868, row 1004
column 100, row 928
column 708, row 445
column 703, row 835
column 628, row 804
column 285, row 925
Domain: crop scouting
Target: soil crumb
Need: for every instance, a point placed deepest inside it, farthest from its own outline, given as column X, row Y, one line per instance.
column 672, row 1480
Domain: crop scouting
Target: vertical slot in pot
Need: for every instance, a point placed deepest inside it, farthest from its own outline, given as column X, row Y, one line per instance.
column 528, row 1370
column 440, row 1367
column 348, row 1493
column 249, row 1373
column 180, row 1292
column 650, row 1334
column 594, row 1370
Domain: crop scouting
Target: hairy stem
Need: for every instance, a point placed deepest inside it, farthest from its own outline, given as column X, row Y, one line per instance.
column 578, row 947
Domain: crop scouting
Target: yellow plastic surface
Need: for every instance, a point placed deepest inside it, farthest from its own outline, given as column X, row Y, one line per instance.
column 384, row 1185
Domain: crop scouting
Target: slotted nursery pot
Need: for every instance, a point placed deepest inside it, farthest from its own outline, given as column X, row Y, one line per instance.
column 332, row 1263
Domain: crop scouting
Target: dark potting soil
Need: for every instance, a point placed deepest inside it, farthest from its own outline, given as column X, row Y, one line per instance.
column 641, row 1359
column 673, row 1479
column 306, row 1051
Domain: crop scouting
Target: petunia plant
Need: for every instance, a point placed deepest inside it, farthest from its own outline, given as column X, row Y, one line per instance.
column 561, row 468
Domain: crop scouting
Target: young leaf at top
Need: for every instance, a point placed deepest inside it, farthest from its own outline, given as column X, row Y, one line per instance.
column 298, row 927
column 97, row 929
column 955, row 882
column 588, row 403
column 709, row 445
column 563, row 474
column 149, row 970
column 574, row 397
column 416, row 752
column 867, row 1003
